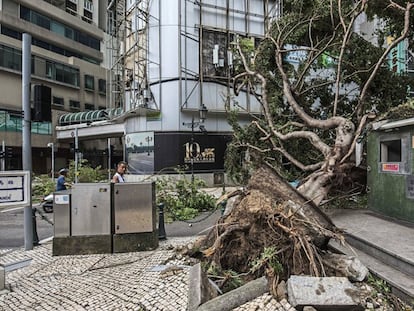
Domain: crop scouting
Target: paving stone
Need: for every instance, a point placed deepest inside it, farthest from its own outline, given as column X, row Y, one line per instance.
column 332, row 293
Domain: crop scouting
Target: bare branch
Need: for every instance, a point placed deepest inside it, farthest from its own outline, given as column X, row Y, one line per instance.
column 311, row 136
column 348, row 32
column 312, row 122
column 298, row 164
column 404, row 34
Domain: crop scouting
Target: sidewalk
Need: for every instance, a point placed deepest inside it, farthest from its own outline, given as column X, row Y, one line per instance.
column 153, row 280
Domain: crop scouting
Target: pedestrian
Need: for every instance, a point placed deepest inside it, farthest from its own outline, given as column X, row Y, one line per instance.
column 61, row 181
column 120, row 171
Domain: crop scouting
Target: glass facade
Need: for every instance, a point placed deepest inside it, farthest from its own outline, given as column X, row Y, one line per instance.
column 12, row 121
column 47, row 46
column 12, row 59
column 59, row 28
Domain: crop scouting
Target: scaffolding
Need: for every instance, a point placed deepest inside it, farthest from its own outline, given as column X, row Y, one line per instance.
column 129, row 24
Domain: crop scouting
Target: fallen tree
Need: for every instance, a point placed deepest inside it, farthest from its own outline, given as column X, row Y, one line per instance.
column 314, row 116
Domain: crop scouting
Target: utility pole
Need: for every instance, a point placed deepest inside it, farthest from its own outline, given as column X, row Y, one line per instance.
column 26, row 139
column 3, row 158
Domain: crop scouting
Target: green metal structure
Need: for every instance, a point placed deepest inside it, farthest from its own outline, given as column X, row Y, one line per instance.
column 390, row 169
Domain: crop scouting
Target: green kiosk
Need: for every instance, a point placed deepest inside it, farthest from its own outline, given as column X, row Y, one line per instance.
column 390, row 169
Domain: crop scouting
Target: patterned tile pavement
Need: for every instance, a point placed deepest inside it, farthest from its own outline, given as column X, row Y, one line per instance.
column 126, row 281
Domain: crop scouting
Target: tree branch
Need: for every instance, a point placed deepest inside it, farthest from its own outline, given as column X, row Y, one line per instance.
column 348, row 29
column 404, row 34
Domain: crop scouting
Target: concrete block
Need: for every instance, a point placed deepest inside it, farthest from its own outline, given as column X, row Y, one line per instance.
column 348, row 266
column 323, row 293
column 237, row 297
column 200, row 290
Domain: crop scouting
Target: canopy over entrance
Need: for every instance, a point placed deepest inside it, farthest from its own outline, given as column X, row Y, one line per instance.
column 89, row 116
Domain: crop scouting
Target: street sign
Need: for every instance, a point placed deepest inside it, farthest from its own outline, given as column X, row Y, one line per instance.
column 14, row 188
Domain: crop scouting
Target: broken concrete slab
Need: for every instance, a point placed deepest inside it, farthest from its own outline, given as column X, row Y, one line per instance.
column 323, row 293
column 236, row 297
column 200, row 290
column 344, row 265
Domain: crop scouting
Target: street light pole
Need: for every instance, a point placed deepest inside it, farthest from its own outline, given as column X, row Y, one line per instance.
column 52, row 145
column 191, row 150
column 203, row 114
column 148, row 139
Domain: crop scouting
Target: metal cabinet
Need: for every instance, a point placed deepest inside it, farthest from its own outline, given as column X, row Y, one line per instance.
column 91, row 209
column 61, row 213
column 134, row 207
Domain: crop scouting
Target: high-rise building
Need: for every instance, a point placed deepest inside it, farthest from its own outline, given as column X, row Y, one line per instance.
column 67, row 72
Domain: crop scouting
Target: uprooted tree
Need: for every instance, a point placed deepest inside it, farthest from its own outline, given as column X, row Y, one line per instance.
column 314, row 113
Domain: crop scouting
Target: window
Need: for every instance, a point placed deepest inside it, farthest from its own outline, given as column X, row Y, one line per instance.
column 102, row 86
column 88, row 5
column 74, row 105
column 58, row 101
column 89, row 106
column 395, row 153
column 10, row 58
column 71, row 7
column 89, row 82
column 217, row 56
column 391, row 151
column 11, row 121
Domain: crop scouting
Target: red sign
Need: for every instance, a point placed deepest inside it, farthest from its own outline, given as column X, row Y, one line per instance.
column 390, row 167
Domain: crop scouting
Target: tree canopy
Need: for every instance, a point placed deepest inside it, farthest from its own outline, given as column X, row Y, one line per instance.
column 320, row 74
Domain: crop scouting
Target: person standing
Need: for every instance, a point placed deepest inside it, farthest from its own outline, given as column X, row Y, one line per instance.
column 120, row 171
column 61, row 183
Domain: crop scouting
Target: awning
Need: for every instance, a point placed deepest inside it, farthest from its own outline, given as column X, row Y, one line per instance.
column 89, row 116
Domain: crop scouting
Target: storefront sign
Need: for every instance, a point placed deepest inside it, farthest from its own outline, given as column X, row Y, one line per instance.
column 390, row 167
column 193, row 153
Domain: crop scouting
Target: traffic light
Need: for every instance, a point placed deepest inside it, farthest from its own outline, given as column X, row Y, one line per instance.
column 42, row 103
column 9, row 152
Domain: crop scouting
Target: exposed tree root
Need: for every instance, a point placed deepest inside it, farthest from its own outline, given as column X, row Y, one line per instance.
column 271, row 214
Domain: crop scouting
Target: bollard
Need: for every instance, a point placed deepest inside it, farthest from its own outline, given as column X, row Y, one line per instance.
column 223, row 205
column 35, row 236
column 161, row 226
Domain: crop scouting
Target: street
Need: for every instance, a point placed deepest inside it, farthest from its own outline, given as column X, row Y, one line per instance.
column 12, row 227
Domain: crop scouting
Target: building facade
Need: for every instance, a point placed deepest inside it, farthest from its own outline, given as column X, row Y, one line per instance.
column 169, row 62
column 67, row 59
